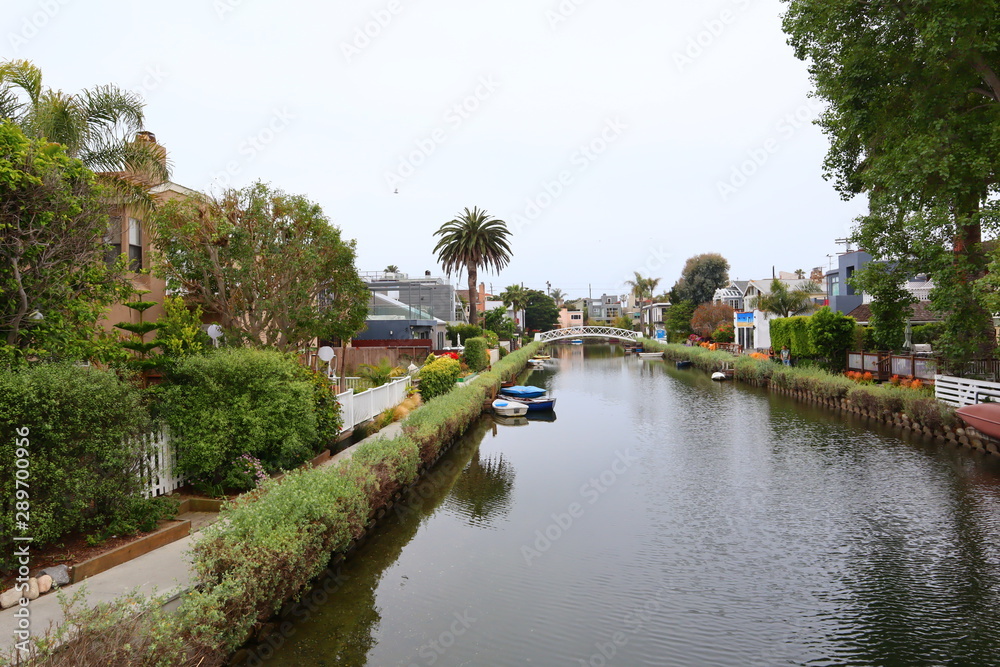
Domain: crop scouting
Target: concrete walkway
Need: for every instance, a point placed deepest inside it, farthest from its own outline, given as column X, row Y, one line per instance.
column 164, row 571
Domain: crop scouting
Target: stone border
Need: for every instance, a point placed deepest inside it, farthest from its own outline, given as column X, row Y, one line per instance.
column 958, row 437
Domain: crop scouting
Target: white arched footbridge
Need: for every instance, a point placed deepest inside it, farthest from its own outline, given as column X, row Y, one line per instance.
column 586, row 332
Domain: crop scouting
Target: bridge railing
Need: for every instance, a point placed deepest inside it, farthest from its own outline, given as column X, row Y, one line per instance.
column 583, row 332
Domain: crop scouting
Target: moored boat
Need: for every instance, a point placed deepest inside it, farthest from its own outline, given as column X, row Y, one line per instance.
column 718, row 376
column 506, row 408
column 539, row 404
column 576, row 341
column 650, row 355
column 685, row 363
column 984, row 417
column 520, row 391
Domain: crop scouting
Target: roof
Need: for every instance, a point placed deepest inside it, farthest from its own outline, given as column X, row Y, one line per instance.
column 921, row 313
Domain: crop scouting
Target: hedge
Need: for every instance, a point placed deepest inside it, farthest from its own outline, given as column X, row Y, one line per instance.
column 793, row 332
column 237, row 401
column 77, row 430
column 476, row 355
column 270, row 543
column 438, row 377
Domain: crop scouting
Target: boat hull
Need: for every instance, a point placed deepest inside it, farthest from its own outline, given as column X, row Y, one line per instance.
column 984, row 417
column 540, row 404
column 506, row 408
column 684, row 364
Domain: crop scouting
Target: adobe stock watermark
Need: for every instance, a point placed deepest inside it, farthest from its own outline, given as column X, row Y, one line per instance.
column 22, row 541
column 634, row 622
column 757, row 157
column 711, row 30
column 150, row 80
column 33, row 23
column 365, row 34
column 432, row 651
column 582, row 158
column 590, row 492
column 562, row 12
column 453, row 118
column 224, row 7
column 252, row 146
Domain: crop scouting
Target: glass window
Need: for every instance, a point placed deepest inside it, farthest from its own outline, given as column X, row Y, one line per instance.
column 134, row 244
column 113, row 240
column 835, row 285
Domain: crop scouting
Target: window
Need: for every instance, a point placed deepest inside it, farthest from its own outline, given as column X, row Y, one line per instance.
column 576, row 317
column 835, row 285
column 134, row 244
column 847, row 280
column 113, row 240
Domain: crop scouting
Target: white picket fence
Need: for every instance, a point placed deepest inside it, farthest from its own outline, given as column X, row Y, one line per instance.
column 964, row 391
column 157, row 470
column 359, row 408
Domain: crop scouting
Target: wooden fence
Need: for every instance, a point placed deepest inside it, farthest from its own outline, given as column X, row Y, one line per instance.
column 883, row 365
column 398, row 356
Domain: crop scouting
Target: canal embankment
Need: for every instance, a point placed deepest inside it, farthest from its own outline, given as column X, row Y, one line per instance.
column 908, row 409
column 276, row 542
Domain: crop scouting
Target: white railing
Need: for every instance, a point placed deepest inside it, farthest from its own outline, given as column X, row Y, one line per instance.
column 359, row 408
column 584, row 332
column 157, row 468
column 964, row 391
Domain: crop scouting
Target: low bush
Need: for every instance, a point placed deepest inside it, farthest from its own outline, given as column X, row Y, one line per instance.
column 239, row 401
column 476, row 354
column 77, row 428
column 463, row 331
column 438, row 377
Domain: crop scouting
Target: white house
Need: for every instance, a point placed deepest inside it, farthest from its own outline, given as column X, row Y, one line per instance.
column 753, row 326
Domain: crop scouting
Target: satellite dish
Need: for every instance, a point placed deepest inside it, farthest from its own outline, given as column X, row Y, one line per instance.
column 214, row 332
column 325, row 353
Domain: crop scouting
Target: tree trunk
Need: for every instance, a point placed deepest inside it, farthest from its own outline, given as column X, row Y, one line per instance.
column 473, row 293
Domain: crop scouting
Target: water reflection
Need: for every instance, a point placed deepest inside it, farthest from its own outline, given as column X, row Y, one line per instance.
column 747, row 529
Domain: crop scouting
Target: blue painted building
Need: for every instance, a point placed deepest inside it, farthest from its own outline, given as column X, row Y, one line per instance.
column 842, row 296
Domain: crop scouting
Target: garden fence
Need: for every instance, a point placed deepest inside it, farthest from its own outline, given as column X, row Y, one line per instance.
column 960, row 392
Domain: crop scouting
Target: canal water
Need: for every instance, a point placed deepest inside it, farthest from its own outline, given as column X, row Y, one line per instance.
column 663, row 519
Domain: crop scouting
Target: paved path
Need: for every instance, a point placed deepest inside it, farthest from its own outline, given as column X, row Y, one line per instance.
column 164, row 571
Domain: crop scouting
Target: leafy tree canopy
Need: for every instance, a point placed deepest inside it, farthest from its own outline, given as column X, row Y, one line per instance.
column 269, row 264
column 784, row 301
column 54, row 282
column 708, row 317
column 540, row 312
column 700, row 277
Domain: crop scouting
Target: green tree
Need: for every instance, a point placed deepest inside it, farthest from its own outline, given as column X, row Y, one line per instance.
column 54, row 282
column 642, row 290
column 700, row 277
column 832, row 335
column 98, row 125
column 269, row 264
column 785, row 302
column 496, row 320
column 472, row 240
column 516, row 298
column 558, row 296
column 912, row 94
column 540, row 312
column 891, row 303
column 678, row 320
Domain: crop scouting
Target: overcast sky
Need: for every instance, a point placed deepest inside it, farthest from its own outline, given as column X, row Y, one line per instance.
column 611, row 136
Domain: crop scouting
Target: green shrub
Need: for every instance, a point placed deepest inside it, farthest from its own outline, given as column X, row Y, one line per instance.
column 438, row 377
column 239, row 401
column 78, row 427
column 927, row 334
column 476, row 354
column 831, row 335
column 503, row 352
column 466, row 331
column 329, row 421
column 492, row 339
column 793, row 332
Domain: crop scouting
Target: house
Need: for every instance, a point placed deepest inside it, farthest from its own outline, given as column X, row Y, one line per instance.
column 392, row 319
column 481, row 298
column 128, row 233
column 427, row 295
column 753, row 326
column 843, row 297
column 606, row 309
column 570, row 318
column 731, row 295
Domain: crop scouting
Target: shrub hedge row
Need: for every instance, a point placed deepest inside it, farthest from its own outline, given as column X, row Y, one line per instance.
column 271, row 542
column 918, row 405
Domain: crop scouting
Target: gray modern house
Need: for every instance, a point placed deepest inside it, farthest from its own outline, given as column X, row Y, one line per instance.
column 842, row 296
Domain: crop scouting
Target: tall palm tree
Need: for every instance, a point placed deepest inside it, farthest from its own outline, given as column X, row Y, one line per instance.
column 785, row 302
column 472, row 240
column 642, row 290
column 516, row 298
column 558, row 296
column 101, row 126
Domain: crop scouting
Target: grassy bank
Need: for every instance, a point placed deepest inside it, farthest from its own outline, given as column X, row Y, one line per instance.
column 273, row 542
column 884, row 400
